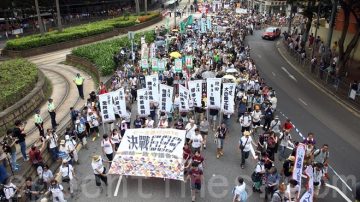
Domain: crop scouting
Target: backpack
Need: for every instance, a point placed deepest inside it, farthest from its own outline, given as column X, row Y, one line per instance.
column 268, row 113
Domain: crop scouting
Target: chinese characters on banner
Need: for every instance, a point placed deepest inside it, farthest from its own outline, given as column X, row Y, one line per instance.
column 184, row 99
column 189, row 62
column 195, row 91
column 178, row 65
column 144, row 63
column 119, row 102
column 203, row 25
column 228, row 94
column 107, row 108
column 298, row 165
column 152, row 85
column 143, row 102
column 208, row 23
column 144, row 51
column 154, row 64
column 213, row 93
column 166, row 94
column 150, row 153
column 161, row 64
column 152, row 50
column 309, row 194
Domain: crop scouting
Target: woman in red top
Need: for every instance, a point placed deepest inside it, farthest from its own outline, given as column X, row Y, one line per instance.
column 186, row 157
column 197, row 158
column 288, row 125
column 102, row 88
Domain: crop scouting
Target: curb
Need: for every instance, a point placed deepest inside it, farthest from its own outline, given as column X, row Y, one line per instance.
column 319, row 86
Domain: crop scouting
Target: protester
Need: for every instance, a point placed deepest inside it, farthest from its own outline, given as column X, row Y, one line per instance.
column 239, row 191
column 279, row 195
column 39, row 123
column 68, row 175
column 52, row 138
column 196, row 178
column 220, row 136
column 99, row 170
column 204, row 130
column 19, row 134
column 108, row 147
column 292, row 191
column 257, row 175
column 272, row 182
column 70, row 145
column 57, row 191
column 245, row 147
column 32, row 190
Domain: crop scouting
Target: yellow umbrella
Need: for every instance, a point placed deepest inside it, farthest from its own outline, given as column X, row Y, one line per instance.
column 175, row 54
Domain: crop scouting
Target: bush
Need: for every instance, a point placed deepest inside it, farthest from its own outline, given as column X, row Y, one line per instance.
column 17, row 78
column 72, row 33
column 101, row 54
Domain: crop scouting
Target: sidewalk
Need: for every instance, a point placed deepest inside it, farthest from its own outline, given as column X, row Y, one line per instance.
column 339, row 89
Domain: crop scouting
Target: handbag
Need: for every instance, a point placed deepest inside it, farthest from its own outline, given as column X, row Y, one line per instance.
column 66, row 178
column 255, row 177
column 242, row 147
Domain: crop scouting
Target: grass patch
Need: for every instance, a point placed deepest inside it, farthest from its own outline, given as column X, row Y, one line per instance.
column 17, row 78
column 101, row 54
column 76, row 32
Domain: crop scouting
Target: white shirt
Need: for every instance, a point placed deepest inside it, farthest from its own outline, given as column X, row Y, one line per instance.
column 9, row 190
column 259, row 168
column 70, row 145
column 98, row 166
column 93, row 121
column 67, row 171
column 53, row 140
column 107, row 146
column 47, row 175
column 177, row 101
column 133, row 81
column 116, row 138
column 238, row 190
column 291, row 192
column 318, row 175
column 273, row 101
column 149, row 124
column 57, row 191
column 190, row 130
column 248, row 141
column 245, row 120
column 256, row 116
column 285, row 140
column 196, row 140
column 275, row 125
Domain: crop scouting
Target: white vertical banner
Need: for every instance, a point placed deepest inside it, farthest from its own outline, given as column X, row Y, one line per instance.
column 166, row 94
column 143, row 102
column 152, row 50
column 184, row 99
column 152, row 85
column 107, row 108
column 195, row 91
column 298, row 165
column 309, row 194
column 119, row 102
column 213, row 93
column 227, row 101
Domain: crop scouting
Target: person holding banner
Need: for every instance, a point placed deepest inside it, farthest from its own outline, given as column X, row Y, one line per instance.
column 107, row 147
column 292, row 191
column 318, row 177
column 279, row 195
column 92, row 119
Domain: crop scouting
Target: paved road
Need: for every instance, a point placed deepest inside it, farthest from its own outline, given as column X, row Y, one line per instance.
column 311, row 110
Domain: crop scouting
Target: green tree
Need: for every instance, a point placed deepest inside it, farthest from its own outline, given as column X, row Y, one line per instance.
column 58, row 15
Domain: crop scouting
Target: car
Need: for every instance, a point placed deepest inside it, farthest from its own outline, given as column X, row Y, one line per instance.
column 271, row 33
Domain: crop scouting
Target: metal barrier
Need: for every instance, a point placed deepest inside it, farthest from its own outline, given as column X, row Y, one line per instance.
column 324, row 75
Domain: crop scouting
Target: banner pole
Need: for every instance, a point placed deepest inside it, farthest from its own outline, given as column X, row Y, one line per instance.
column 103, row 124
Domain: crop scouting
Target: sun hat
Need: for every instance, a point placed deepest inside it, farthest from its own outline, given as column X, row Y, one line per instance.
column 246, row 133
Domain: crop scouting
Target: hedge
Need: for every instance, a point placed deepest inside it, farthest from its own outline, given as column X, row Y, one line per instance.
column 17, row 78
column 101, row 54
column 77, row 32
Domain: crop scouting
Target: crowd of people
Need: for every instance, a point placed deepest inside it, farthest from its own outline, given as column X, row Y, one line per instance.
column 222, row 54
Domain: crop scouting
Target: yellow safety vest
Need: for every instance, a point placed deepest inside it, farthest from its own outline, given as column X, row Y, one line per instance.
column 79, row 80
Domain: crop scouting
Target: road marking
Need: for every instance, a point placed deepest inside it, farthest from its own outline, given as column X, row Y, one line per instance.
column 303, row 102
column 273, row 74
column 338, row 191
column 117, row 186
column 331, row 168
column 288, row 73
column 259, row 55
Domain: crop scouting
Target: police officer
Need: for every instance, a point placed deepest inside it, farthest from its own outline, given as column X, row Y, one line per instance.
column 39, row 123
column 79, row 81
column 51, row 110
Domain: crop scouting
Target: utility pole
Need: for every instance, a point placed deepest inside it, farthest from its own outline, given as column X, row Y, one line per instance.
column 316, row 29
column 58, row 16
column 41, row 26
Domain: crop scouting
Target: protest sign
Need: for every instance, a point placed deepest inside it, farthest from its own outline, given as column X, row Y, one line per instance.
column 184, row 99
column 166, row 94
column 107, row 108
column 213, row 93
column 118, row 97
column 152, row 85
column 178, row 65
column 227, row 101
column 143, row 102
column 195, row 91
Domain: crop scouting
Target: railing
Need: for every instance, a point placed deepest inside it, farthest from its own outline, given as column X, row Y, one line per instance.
column 325, row 76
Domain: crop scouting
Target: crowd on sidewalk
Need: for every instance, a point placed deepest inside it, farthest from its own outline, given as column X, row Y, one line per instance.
column 222, row 55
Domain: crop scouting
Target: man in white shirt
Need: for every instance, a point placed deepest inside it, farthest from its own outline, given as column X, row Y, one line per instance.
column 256, row 116
column 53, row 146
column 67, row 175
column 70, row 145
column 284, row 138
column 275, row 125
column 245, row 122
column 99, row 170
column 196, row 141
column 190, row 130
column 245, row 147
column 240, row 193
column 56, row 190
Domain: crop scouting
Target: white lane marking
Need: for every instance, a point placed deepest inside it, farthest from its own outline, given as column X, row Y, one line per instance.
column 118, row 185
column 288, row 73
column 338, row 191
column 303, row 102
column 291, row 147
column 259, row 55
column 343, row 181
column 273, row 74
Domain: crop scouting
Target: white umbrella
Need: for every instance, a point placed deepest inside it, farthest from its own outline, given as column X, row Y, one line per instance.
column 208, row 74
column 231, row 70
